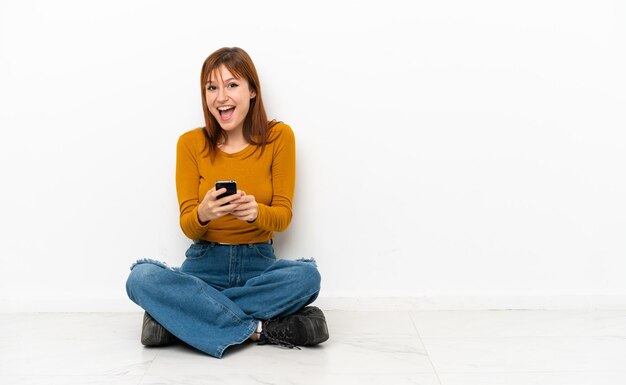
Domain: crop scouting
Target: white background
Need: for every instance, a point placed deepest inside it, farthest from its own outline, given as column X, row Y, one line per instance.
column 449, row 151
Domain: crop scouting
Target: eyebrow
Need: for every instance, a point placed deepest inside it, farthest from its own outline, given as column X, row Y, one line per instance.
column 227, row 80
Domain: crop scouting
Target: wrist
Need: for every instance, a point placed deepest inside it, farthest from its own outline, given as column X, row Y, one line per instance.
column 201, row 221
column 255, row 218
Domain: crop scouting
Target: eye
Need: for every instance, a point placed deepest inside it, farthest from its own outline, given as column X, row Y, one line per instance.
column 233, row 85
column 211, row 88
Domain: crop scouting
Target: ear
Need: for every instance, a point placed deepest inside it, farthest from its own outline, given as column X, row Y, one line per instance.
column 252, row 95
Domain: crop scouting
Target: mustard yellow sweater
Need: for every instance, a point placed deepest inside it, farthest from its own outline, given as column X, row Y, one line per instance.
column 270, row 178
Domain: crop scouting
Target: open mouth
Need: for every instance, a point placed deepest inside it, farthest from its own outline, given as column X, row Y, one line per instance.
column 226, row 112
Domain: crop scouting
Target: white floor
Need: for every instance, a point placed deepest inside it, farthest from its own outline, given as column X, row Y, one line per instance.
column 447, row 347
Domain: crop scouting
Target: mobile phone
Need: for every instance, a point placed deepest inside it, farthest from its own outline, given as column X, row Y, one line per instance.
column 231, row 188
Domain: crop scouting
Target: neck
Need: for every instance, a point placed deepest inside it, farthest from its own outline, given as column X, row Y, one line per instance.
column 234, row 138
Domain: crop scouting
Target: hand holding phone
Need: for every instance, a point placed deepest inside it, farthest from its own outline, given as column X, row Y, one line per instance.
column 210, row 207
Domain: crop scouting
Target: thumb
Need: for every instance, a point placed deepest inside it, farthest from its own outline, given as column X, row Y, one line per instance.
column 208, row 193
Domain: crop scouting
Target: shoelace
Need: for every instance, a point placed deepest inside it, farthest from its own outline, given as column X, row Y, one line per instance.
column 279, row 342
column 279, row 338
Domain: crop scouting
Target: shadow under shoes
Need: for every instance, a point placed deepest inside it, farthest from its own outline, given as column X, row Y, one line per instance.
column 153, row 334
column 306, row 327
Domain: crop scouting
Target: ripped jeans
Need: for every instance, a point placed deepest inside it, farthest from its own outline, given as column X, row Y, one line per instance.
column 219, row 294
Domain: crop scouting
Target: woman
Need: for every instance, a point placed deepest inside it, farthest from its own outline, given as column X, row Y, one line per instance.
column 231, row 287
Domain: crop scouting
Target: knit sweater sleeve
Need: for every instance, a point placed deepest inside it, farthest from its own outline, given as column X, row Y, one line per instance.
column 277, row 215
column 187, row 183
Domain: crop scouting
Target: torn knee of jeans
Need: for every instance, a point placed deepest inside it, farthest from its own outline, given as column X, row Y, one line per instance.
column 309, row 260
column 152, row 261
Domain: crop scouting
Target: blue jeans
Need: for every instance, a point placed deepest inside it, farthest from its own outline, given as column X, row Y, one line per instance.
column 219, row 294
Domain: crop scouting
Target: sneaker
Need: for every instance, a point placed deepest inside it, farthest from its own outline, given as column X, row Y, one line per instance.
column 306, row 327
column 153, row 334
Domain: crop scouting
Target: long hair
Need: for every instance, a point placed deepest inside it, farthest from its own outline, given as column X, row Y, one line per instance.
column 256, row 127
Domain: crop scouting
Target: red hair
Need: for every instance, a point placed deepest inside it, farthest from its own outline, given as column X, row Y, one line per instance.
column 256, row 127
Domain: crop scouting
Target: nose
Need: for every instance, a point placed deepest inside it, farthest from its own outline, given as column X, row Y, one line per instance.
column 221, row 95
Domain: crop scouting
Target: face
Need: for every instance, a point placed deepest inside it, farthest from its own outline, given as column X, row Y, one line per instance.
column 228, row 99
